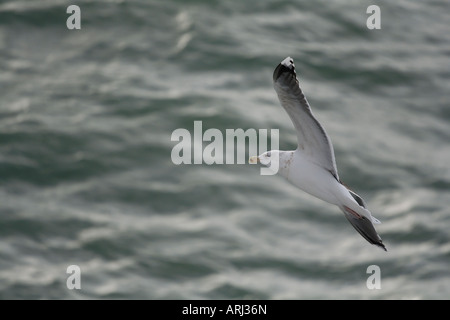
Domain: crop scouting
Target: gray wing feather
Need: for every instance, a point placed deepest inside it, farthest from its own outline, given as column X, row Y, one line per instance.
column 364, row 227
column 312, row 139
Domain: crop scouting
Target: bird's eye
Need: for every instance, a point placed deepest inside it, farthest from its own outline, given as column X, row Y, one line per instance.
column 268, row 154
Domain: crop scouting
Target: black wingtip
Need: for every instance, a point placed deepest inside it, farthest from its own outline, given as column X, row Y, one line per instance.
column 381, row 245
column 364, row 227
column 286, row 66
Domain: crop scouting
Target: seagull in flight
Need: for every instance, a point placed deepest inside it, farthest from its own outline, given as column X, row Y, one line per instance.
column 312, row 166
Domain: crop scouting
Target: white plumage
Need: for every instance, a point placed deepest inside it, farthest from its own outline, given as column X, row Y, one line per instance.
column 312, row 166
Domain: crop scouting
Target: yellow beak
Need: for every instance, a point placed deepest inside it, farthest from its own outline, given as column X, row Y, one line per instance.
column 253, row 160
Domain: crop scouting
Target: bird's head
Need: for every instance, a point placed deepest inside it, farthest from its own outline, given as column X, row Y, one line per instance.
column 277, row 161
column 266, row 158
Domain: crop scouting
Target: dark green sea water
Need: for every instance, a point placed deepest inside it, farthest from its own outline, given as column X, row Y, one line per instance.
column 86, row 176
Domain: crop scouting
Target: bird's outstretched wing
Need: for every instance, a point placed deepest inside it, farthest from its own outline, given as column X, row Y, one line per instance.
column 364, row 226
column 312, row 139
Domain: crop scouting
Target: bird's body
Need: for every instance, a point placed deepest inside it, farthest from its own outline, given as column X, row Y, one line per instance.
column 312, row 179
column 312, row 166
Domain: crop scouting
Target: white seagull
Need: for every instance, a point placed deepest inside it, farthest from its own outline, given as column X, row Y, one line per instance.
column 312, row 166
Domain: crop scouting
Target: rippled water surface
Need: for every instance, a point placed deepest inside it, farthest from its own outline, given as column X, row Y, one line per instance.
column 86, row 176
